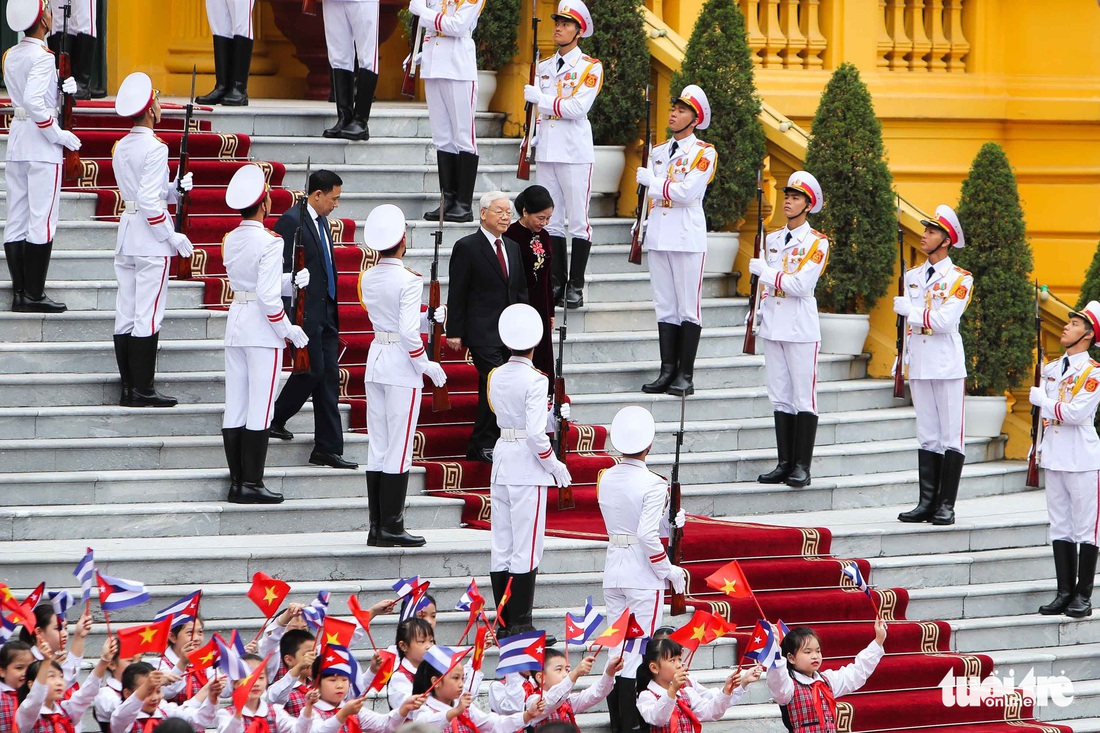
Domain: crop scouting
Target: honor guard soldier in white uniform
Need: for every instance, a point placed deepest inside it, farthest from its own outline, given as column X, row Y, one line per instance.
column 634, row 505
column 936, row 294
column 794, row 259
column 35, row 144
column 564, row 91
column 351, row 29
column 1070, row 458
column 231, row 24
column 676, row 237
column 256, row 333
column 147, row 240
column 396, row 366
column 524, row 464
column 449, row 70
column 81, row 45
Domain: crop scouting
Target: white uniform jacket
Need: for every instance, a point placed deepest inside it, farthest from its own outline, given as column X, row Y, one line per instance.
column 284, row 721
column 253, row 258
column 655, row 706
column 324, row 719
column 30, row 74
column 563, row 132
column 141, row 170
column 634, row 504
column 391, row 295
column 517, row 395
column 848, row 678
column 934, row 348
column 449, row 40
column 676, row 223
column 434, row 714
column 1069, row 438
column 788, row 308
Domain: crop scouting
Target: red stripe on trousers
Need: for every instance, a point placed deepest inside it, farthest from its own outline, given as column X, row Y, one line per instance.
column 56, row 193
column 699, row 292
column 408, row 427
column 156, row 302
column 813, row 385
column 271, row 390
column 535, row 529
column 962, row 423
column 473, row 116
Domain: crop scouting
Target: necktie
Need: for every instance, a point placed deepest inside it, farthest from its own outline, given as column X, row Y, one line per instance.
column 928, row 274
column 561, row 63
column 503, row 260
column 323, row 231
column 673, row 148
column 1065, row 364
column 787, row 239
column 824, row 701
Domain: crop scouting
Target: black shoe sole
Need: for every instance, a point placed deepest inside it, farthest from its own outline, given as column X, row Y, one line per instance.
column 913, row 520
column 266, row 502
column 281, row 435
column 1086, row 614
column 771, row 481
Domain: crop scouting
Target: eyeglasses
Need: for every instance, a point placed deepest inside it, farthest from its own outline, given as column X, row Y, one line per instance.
column 501, row 212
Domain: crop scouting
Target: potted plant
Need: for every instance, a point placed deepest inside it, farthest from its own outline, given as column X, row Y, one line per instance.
column 846, row 155
column 719, row 60
column 495, row 39
column 619, row 42
column 998, row 328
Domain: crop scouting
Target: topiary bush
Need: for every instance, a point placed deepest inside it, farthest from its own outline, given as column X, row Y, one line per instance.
column 718, row 59
column 618, row 41
column 846, row 155
column 1090, row 289
column 998, row 330
column 496, row 34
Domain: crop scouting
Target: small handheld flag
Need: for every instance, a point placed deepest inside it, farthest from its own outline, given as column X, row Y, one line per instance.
column 240, row 695
column 7, row 628
column 522, row 653
column 62, row 601
column 385, row 670
column 338, row 660
column 337, row 632
column 414, row 602
column 615, row 634
column 405, row 586
column 268, row 593
column 580, row 628
column 474, row 603
column 763, row 647
column 444, row 659
column 85, row 573
column 205, row 656
column 729, row 579
column 116, row 594
column 852, row 573
column 230, row 657
column 315, row 613
column 148, row 639
column 180, row 612
column 362, row 617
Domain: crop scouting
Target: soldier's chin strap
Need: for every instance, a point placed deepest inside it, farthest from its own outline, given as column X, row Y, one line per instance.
column 946, row 241
column 1086, row 333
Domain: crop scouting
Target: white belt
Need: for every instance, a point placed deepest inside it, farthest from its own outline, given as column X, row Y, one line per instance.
column 387, row 337
column 242, row 297
column 622, row 540
column 511, row 435
column 20, row 113
column 668, row 204
column 131, row 207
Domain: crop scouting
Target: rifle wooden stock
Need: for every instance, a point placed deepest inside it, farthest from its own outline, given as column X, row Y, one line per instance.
column 1032, row 480
column 309, row 7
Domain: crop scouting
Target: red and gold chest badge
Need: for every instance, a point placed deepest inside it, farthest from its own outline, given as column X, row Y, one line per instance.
column 818, row 257
column 704, row 164
column 590, row 80
column 961, row 292
column 1091, row 384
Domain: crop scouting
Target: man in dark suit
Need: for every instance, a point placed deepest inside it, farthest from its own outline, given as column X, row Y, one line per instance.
column 486, row 276
column 322, row 325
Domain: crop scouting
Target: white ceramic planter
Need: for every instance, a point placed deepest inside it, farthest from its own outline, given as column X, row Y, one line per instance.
column 486, row 88
column 721, row 251
column 984, row 416
column 844, row 333
column 608, row 169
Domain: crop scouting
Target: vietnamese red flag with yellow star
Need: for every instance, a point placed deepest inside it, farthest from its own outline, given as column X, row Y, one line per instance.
column 22, row 612
column 205, row 656
column 268, row 593
column 615, row 634
column 386, row 665
column 479, row 647
column 148, row 639
column 244, row 687
column 692, row 634
column 337, row 631
column 730, row 580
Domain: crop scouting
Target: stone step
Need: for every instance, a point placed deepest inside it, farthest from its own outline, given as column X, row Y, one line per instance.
column 992, row 633
column 101, row 388
column 79, row 325
column 1077, row 662
column 1009, row 598
column 74, row 206
column 310, row 119
column 388, row 150
column 639, row 315
column 99, row 294
column 606, row 231
column 409, row 178
column 976, row 567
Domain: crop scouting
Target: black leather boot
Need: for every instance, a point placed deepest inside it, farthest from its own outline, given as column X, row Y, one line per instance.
column 232, row 441
column 929, row 467
column 122, row 358
column 559, row 272
column 784, row 446
column 36, row 263
column 1081, row 605
column 53, row 42
column 13, row 254
column 365, row 85
column 447, row 165
column 629, row 718
column 343, row 87
column 689, row 346
column 1065, row 568
column 392, row 489
column 143, row 367
column 499, row 580
column 374, row 506
column 613, row 706
column 237, row 96
column 579, row 249
column 949, row 487
column 83, row 49
column 465, row 179
column 805, row 433
column 253, row 461
column 223, row 63
column 668, row 336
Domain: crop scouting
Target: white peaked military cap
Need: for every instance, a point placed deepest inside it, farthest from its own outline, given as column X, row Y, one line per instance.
column 805, row 183
column 247, row 187
column 632, row 430
column 22, row 14
column 520, row 327
column 135, row 95
column 576, row 11
column 696, row 98
column 946, row 220
column 385, row 227
column 1091, row 314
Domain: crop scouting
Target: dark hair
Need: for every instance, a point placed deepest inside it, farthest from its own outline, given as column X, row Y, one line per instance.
column 250, row 657
column 32, row 672
column 426, row 597
column 292, row 641
column 10, row 651
column 656, row 650
column 411, row 630
column 424, row 677
column 323, row 181
column 663, row 632
column 175, row 630
column 249, row 213
column 132, row 672
column 549, row 655
column 534, row 198
column 796, row 638
column 43, row 615
column 392, row 251
column 173, row 725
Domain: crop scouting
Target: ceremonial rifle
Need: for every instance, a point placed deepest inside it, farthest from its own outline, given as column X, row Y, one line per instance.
column 676, row 534
column 299, row 358
column 752, row 324
column 183, row 271
column 561, row 435
column 637, row 239
column 1036, row 414
column 71, row 168
column 531, row 111
column 416, row 40
column 309, row 7
column 441, row 399
column 899, row 373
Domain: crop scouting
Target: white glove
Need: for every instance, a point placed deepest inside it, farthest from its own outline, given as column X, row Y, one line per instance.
column 440, row 314
column 1037, row 396
column 678, row 578
column 680, row 520
column 757, row 266
column 561, row 475
column 69, row 86
column 902, row 306
column 297, row 337
column 894, row 368
column 434, row 371
column 68, row 139
column 644, row 176
column 301, row 278
column 419, row 8
column 564, row 410
column 531, row 93
column 181, row 244
column 187, row 182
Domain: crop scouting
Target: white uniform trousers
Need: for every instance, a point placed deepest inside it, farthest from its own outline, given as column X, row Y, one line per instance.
column 251, row 384
column 1071, row 505
column 82, row 18
column 230, row 18
column 648, row 607
column 451, row 105
column 570, row 187
column 391, row 423
column 790, row 371
column 518, row 527
column 350, row 29
column 32, row 218
column 677, row 280
column 939, row 406
column 142, row 292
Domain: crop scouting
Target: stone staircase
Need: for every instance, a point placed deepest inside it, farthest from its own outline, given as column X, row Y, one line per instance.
column 145, row 488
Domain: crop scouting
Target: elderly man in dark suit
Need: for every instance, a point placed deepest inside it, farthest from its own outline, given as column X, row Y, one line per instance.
column 322, row 325
column 486, row 276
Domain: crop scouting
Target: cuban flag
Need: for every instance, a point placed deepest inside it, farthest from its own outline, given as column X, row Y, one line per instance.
column 851, row 572
column 230, row 657
column 580, row 628
column 444, row 658
column 414, row 602
column 636, row 646
column 62, row 601
column 85, row 573
column 405, row 586
column 472, row 598
column 7, row 628
column 181, row 611
column 522, row 653
column 116, row 594
column 315, row 613
column 339, row 660
column 763, row 648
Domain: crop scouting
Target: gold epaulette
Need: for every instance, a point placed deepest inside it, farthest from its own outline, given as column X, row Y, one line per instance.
column 962, row 271
column 414, row 272
column 590, row 59
column 820, row 235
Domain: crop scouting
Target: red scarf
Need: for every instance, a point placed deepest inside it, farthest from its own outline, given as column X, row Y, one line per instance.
column 259, row 723
column 823, row 700
column 60, row 722
column 684, row 709
column 463, row 724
